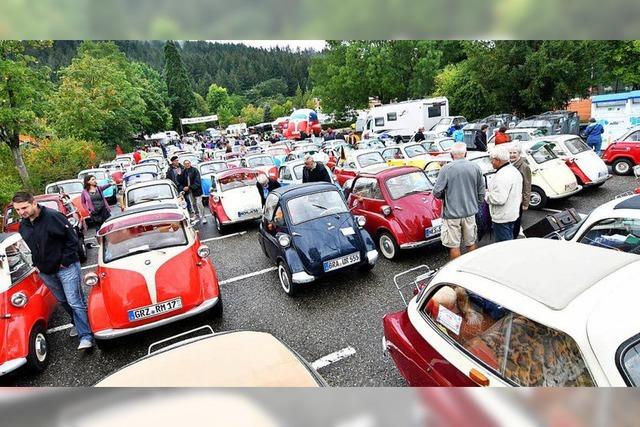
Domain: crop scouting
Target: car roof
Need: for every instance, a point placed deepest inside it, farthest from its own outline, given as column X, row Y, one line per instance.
column 388, row 171
column 234, row 171
column 150, row 184
column 291, row 191
column 151, row 213
column 563, row 275
column 237, row 359
column 632, row 202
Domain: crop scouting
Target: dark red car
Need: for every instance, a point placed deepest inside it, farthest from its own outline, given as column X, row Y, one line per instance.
column 399, row 206
column 624, row 153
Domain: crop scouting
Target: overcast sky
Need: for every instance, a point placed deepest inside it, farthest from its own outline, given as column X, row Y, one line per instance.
column 293, row 44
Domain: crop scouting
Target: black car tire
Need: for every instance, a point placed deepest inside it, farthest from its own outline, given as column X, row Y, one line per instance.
column 216, row 310
column 82, row 248
column 387, row 245
column 38, row 357
column 286, row 280
column 622, row 167
column 537, row 199
column 221, row 228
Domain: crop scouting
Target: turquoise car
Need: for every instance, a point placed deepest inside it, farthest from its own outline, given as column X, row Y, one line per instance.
column 103, row 177
column 279, row 154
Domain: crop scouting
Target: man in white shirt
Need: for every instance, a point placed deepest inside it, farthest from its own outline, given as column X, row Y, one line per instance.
column 504, row 194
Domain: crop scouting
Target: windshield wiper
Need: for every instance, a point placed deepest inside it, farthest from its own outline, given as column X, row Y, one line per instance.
column 319, row 206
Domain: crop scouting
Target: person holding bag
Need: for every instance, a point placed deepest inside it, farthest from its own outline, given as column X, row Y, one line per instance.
column 93, row 200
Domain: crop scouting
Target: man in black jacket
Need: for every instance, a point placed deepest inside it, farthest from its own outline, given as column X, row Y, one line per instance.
column 189, row 182
column 480, row 140
column 54, row 250
column 314, row 171
column 265, row 186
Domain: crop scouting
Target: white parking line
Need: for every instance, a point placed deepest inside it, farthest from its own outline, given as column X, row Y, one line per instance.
column 240, row 233
column 246, row 276
column 60, row 328
column 333, row 357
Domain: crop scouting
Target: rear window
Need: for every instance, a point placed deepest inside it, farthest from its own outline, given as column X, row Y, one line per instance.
column 576, row 146
column 630, row 362
column 237, row 181
column 213, row 168
column 415, row 150
column 150, row 193
column 370, row 159
column 517, row 349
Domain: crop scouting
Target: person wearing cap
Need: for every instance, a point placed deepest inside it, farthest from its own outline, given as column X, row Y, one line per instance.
column 175, row 170
column 265, row 186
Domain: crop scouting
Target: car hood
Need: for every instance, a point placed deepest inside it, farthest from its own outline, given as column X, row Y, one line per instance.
column 148, row 278
column 326, row 238
column 591, row 165
column 243, row 199
column 415, row 213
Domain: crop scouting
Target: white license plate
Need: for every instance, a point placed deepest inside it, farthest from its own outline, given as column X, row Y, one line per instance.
column 435, row 229
column 249, row 212
column 155, row 310
column 344, row 261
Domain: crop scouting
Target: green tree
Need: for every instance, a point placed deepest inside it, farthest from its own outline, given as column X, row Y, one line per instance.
column 266, row 115
column 24, row 87
column 181, row 99
column 466, row 96
column 251, row 115
column 98, row 98
column 623, row 61
column 217, row 96
column 202, row 108
column 225, row 116
column 154, row 94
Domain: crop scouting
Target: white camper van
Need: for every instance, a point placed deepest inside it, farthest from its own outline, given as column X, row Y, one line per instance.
column 617, row 112
column 409, row 115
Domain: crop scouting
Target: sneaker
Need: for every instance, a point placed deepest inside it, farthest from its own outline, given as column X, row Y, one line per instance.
column 73, row 332
column 85, row 343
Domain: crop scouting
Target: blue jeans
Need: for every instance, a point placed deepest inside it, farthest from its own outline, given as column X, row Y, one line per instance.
column 595, row 146
column 503, row 231
column 65, row 286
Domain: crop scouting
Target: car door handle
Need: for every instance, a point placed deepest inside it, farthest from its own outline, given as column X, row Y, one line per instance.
column 296, row 234
column 397, row 207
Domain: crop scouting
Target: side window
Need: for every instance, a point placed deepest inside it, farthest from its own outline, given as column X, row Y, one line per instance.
column 629, row 362
column 635, row 136
column 285, row 173
column 622, row 234
column 516, row 348
column 12, row 216
column 278, row 217
column 368, row 125
column 392, row 116
column 19, row 259
column 434, row 110
column 392, row 153
column 270, row 206
column 379, row 121
column 367, row 188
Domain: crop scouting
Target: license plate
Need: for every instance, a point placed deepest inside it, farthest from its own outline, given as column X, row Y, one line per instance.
column 344, row 261
column 570, row 187
column 155, row 310
column 435, row 229
column 249, row 212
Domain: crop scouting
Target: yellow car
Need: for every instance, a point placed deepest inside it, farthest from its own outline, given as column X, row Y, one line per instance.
column 407, row 155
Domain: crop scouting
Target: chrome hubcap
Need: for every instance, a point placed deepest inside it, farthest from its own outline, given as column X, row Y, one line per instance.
column 386, row 245
column 284, row 279
column 535, row 199
column 622, row 167
column 41, row 347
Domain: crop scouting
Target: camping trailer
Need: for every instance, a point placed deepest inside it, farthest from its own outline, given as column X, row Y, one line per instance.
column 407, row 115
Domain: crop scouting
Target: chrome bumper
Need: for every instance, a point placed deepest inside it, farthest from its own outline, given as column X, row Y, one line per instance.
column 413, row 245
column 109, row 334
column 240, row 221
column 11, row 365
column 372, row 256
column 302, row 277
column 599, row 181
column 563, row 195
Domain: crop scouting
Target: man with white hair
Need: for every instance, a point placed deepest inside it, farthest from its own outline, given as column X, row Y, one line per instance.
column 504, row 194
column 314, row 171
column 515, row 156
column 265, row 186
column 460, row 185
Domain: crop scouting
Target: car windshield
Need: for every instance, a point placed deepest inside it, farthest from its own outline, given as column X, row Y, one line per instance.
column 299, row 116
column 192, row 159
column 100, row 175
column 149, row 193
column 446, row 144
column 409, row 183
column 213, row 168
column 576, row 146
column 415, row 150
column 260, row 161
column 519, row 136
column 631, row 363
column 485, row 164
column 277, row 152
column 142, row 238
column 369, row 159
column 541, row 154
column 146, row 168
column 236, row 181
column 621, row 234
column 315, row 205
column 371, row 143
column 67, row 187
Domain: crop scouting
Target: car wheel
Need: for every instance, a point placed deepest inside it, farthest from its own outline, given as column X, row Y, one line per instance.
column 286, row 281
column 216, row 310
column 622, row 167
column 219, row 226
column 388, row 246
column 82, row 249
column 38, row 357
column 537, row 198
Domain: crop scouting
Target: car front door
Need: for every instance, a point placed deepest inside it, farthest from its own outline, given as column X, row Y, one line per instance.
column 267, row 235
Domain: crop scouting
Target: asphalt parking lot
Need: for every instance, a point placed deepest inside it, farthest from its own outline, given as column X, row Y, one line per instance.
column 336, row 322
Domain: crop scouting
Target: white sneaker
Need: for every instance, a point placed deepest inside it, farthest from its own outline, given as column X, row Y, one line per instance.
column 73, row 332
column 85, row 344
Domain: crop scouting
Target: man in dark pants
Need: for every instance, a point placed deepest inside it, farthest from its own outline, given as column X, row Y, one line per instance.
column 515, row 152
column 314, row 171
column 480, row 140
column 189, row 182
column 265, row 186
column 54, row 250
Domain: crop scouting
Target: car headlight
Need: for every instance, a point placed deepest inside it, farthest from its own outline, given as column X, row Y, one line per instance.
column 386, row 210
column 19, row 299
column 91, row 279
column 361, row 221
column 284, row 240
column 203, row 251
